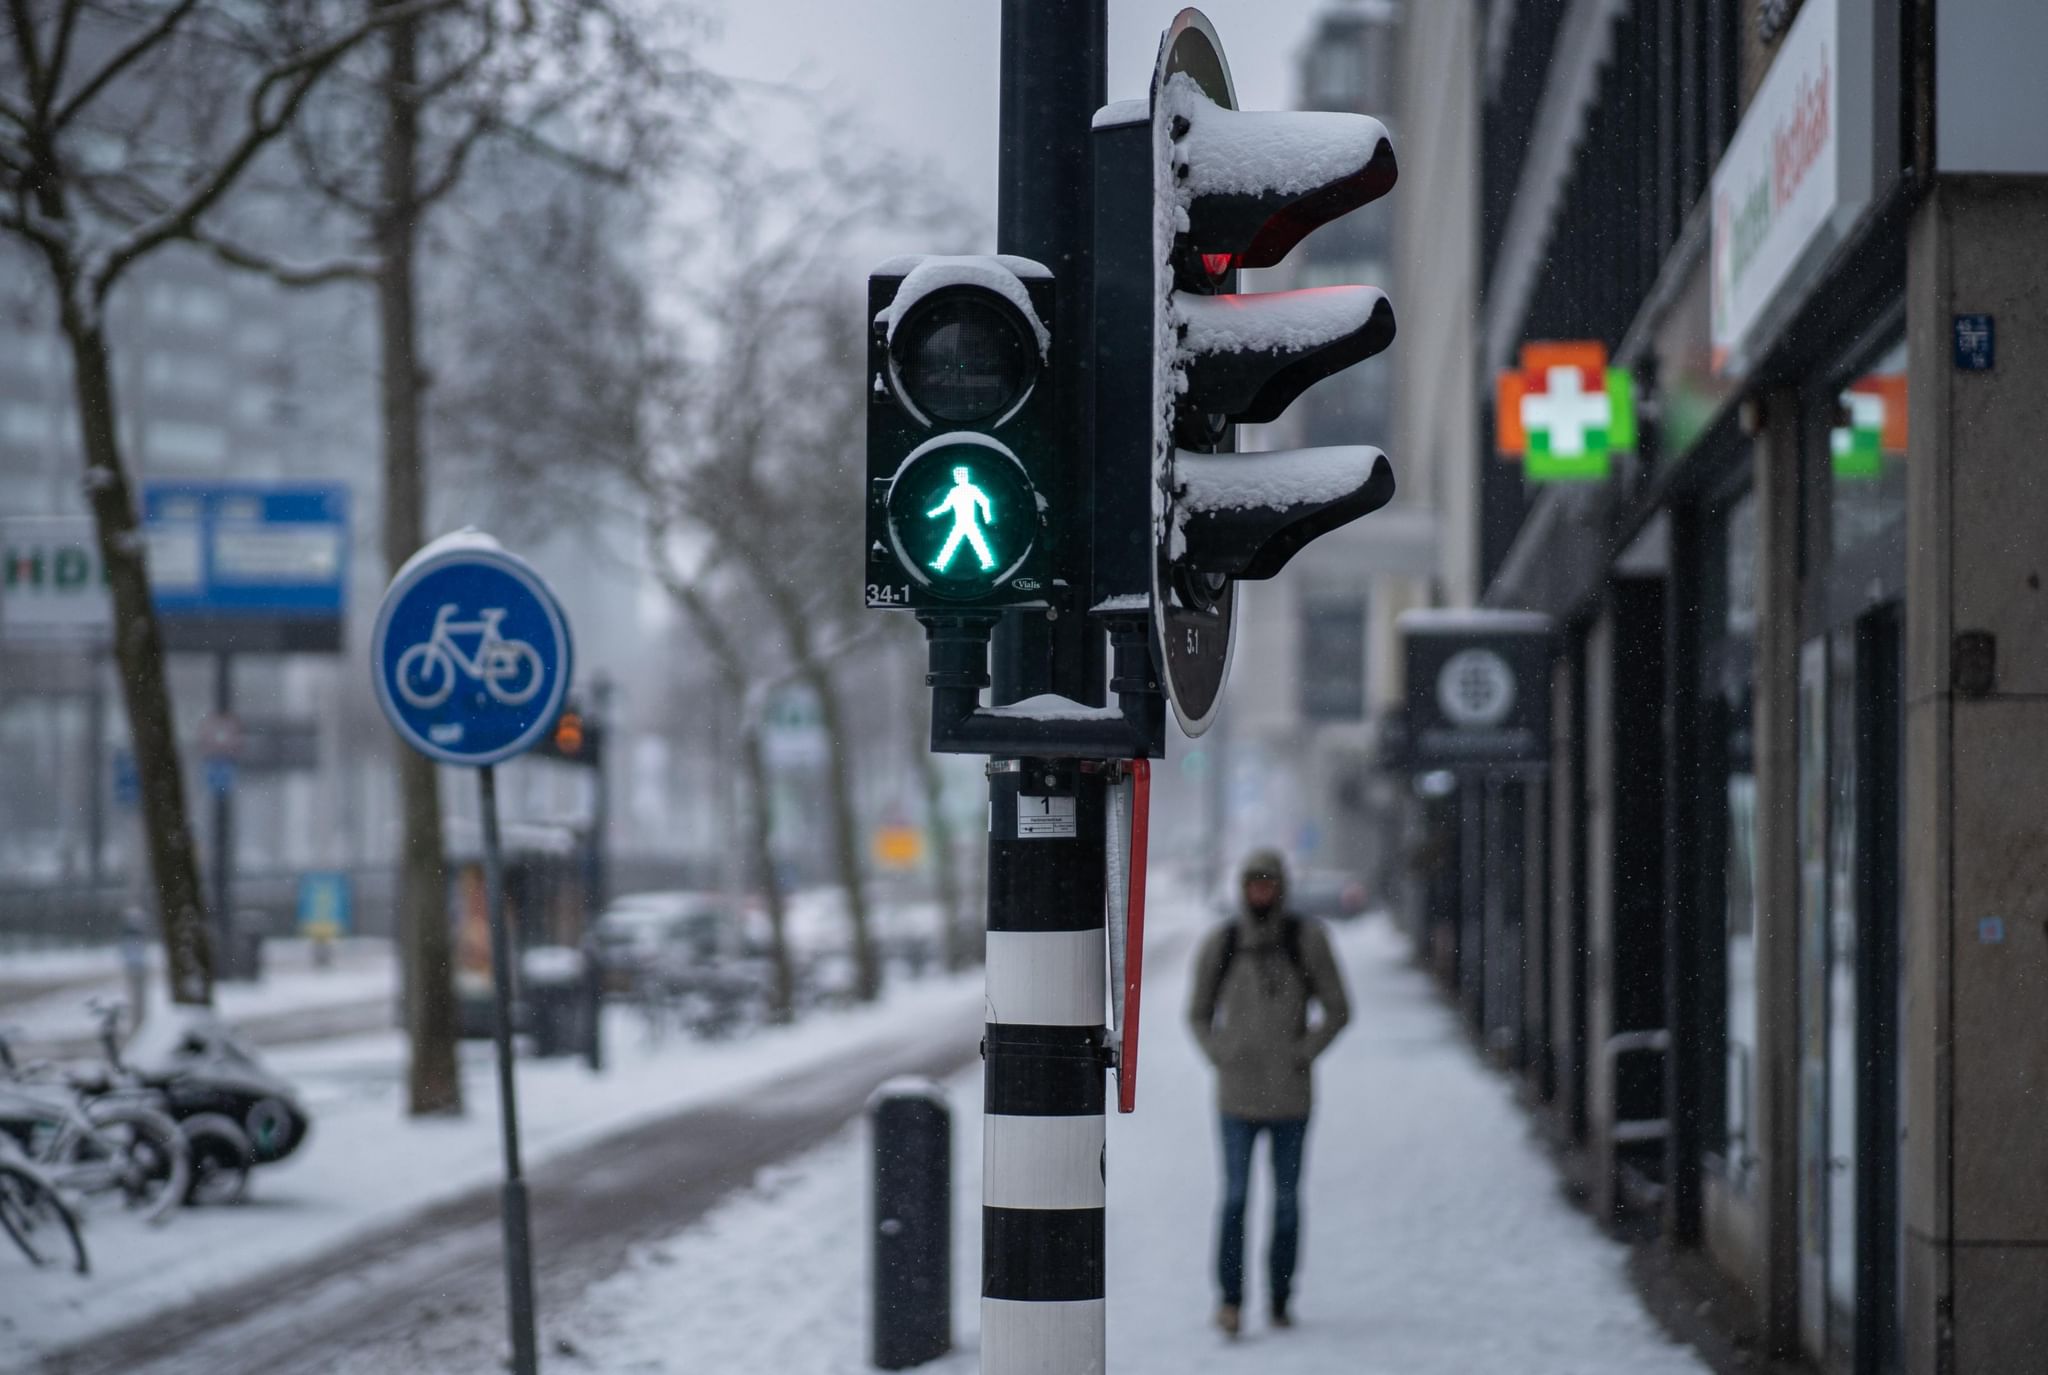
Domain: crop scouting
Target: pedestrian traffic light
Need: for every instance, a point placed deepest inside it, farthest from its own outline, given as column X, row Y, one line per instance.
column 959, row 433
column 1188, row 191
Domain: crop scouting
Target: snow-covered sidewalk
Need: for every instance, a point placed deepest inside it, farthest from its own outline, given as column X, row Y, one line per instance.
column 1436, row 1240
column 365, row 1166
column 294, row 992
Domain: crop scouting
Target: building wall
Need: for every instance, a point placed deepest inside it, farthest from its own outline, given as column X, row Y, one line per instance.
column 1976, row 1073
column 1435, row 284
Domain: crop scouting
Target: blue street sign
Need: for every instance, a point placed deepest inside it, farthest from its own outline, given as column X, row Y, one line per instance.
column 470, row 657
column 220, row 776
column 246, row 565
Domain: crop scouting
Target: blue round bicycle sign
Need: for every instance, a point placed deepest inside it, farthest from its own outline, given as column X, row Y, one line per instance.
column 471, row 656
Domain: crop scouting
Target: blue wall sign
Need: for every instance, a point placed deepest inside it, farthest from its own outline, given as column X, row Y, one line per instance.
column 470, row 657
column 248, row 566
column 1976, row 340
column 326, row 904
column 220, row 776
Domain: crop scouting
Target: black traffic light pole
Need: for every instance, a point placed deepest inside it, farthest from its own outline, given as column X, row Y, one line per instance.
column 1042, row 1227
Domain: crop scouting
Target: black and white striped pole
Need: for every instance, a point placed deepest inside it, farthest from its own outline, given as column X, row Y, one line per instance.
column 1042, row 1309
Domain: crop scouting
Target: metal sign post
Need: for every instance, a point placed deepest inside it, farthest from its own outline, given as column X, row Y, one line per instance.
column 518, row 1239
column 471, row 662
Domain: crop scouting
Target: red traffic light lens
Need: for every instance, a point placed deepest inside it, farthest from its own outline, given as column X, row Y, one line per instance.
column 1216, row 264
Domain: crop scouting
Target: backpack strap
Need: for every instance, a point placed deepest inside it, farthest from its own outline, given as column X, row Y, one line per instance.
column 1225, row 953
column 1289, row 937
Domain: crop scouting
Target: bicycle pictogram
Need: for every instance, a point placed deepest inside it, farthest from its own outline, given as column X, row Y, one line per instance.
column 510, row 670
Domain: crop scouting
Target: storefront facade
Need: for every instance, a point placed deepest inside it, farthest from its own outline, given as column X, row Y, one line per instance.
column 1767, row 973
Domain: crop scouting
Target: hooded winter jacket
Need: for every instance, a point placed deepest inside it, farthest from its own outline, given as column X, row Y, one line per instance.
column 1253, row 1024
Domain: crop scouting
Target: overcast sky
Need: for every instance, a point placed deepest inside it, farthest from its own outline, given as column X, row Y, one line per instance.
column 925, row 70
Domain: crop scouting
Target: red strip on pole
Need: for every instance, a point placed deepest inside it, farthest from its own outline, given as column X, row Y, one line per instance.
column 1134, row 935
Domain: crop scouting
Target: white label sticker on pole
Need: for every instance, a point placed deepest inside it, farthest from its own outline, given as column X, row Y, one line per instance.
column 1045, row 818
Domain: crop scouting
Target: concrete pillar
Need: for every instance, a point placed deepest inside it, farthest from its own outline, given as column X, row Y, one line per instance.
column 1776, row 747
column 1976, row 798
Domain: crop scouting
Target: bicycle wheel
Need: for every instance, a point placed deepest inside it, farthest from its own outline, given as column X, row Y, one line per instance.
column 221, row 1159
column 512, row 671
column 144, row 1155
column 38, row 1221
column 426, row 675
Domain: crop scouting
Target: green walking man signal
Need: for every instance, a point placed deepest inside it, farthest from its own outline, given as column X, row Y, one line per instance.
column 963, row 501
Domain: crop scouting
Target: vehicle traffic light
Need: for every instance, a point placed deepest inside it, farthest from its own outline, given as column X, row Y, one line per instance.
column 574, row 739
column 959, row 433
column 1188, row 191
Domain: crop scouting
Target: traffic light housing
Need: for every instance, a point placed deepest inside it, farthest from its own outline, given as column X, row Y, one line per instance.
column 960, row 434
column 1189, row 190
column 574, row 739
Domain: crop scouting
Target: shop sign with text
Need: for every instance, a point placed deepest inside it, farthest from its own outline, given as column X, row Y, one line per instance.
column 1794, row 179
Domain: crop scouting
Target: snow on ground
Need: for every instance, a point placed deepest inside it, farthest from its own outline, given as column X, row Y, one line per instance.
column 364, row 971
column 366, row 1166
column 1436, row 1241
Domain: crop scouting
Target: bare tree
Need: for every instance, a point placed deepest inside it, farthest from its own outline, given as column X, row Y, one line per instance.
column 740, row 679
column 757, row 448
column 125, row 126
column 580, row 88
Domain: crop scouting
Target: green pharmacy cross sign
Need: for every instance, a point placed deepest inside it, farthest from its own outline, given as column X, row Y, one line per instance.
column 963, row 516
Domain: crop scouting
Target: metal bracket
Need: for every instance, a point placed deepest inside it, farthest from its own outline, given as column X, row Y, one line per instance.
column 957, row 657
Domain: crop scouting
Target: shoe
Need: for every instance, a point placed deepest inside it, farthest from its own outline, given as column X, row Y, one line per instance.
column 1229, row 1319
column 1281, row 1317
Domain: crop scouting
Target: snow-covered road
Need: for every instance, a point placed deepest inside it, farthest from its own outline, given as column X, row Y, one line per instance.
column 1437, row 1241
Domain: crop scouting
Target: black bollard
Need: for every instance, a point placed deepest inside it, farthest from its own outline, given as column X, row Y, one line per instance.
column 912, row 1260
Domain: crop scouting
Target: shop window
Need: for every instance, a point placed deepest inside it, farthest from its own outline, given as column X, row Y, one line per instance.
column 1333, row 658
column 1867, row 478
column 176, row 442
column 1727, row 695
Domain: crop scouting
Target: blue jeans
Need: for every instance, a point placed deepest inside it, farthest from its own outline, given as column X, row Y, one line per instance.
column 1288, row 1138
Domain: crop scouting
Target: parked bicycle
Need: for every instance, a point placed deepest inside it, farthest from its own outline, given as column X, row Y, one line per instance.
column 208, row 1107
column 116, row 1144
column 35, row 1217
column 232, row 1109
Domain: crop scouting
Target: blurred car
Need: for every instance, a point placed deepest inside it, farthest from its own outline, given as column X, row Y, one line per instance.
column 1329, row 893
column 684, row 956
column 906, row 932
column 642, row 933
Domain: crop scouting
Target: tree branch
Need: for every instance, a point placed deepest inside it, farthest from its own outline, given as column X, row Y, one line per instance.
column 441, row 183
column 530, row 139
column 283, row 273
column 330, row 185
column 136, row 49
column 299, row 76
column 25, row 49
column 60, row 57
column 460, row 72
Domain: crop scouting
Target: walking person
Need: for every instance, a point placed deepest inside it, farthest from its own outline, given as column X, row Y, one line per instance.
column 1255, row 979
